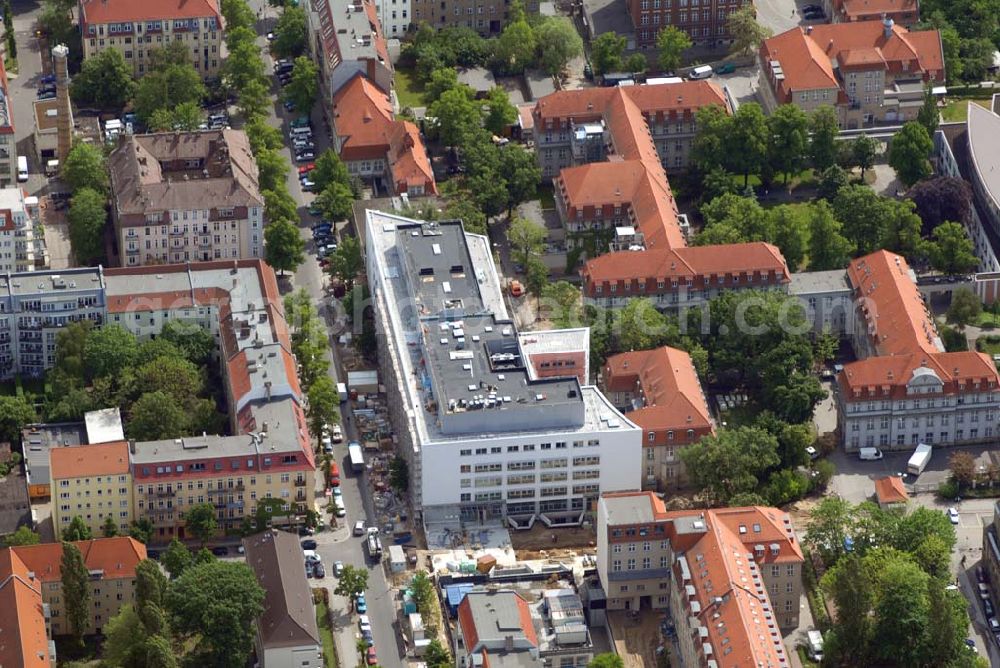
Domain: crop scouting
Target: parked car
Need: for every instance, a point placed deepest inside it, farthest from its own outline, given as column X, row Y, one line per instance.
column 994, row 624
column 988, row 608
column 309, row 544
column 359, row 528
column 220, row 550
column 289, row 105
column 338, row 568
column 364, row 621
column 812, row 8
column 270, row 37
column 48, row 95
column 337, row 491
column 953, row 516
column 300, row 122
column 984, row 591
column 306, row 156
column 814, row 16
column 371, row 657
column 338, row 435
column 305, row 169
column 308, row 184
column 311, row 555
column 47, row 79
column 309, row 569
column 319, row 571
column 360, row 604
column 980, row 574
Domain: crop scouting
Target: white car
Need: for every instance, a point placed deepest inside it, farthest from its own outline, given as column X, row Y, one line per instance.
column 953, row 515
column 364, row 621
column 338, row 568
column 325, row 440
column 812, row 452
column 359, row 528
column 311, row 555
column 338, row 435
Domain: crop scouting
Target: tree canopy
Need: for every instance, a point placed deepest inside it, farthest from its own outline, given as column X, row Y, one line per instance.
column 105, row 81
column 909, row 153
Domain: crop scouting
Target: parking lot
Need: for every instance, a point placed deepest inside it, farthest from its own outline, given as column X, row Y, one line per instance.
column 780, row 15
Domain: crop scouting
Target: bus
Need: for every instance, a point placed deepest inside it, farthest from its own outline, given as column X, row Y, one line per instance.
column 356, row 456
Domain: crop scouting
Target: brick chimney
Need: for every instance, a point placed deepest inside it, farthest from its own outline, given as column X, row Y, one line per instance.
column 64, row 120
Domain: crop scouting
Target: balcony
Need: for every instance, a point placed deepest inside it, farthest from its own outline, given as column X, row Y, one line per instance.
column 163, row 493
column 131, row 251
column 300, row 483
column 301, row 496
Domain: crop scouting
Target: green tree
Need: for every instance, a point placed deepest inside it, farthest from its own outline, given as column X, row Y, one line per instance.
column 501, row 114
column 848, row 586
column 536, row 276
column 436, row 656
column 862, row 213
column 462, row 207
column 742, row 214
column 156, row 416
column 526, row 239
column 520, row 173
column 607, row 660
column 963, row 468
column 747, row 141
column 200, row 522
column 237, row 13
column 746, row 32
column 353, row 581
column 909, row 153
column 330, row 169
column 831, row 180
column 785, row 486
column 75, row 591
column 825, row 128
column 731, row 462
column 709, row 150
column 215, row 604
column 636, row 63
column 965, row 307
column 901, row 612
column 253, row 102
column 828, row 248
column 457, row 116
column 85, row 167
column 150, row 584
column 515, row 47
column 170, row 82
column 302, row 89
column 641, row 327
column 789, row 139
column 562, row 304
column 15, row 412
column 195, row 343
column 863, row 152
column 177, row 558
column 87, row 219
column 159, row 653
column 951, row 250
column 23, row 536
column 829, row 523
column 790, row 233
column 108, row 351
column 77, row 530
column 105, row 81
column 324, row 403
column 671, row 43
column 606, row 53
column 174, row 376
column 124, row 639
column 291, row 33
column 284, row 248
column 141, row 530
column 558, row 43
column 346, row 262
column 399, row 474
column 929, row 116
column 443, row 79
column 109, row 529
column 280, row 205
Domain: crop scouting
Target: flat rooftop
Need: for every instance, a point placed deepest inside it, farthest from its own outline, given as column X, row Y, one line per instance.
column 37, row 439
column 51, row 282
column 104, row 426
column 813, row 282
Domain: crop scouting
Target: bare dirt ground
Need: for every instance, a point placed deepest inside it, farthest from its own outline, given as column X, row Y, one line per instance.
column 799, row 512
column 541, row 538
column 636, row 638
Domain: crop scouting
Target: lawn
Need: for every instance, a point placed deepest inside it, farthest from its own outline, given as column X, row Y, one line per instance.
column 326, row 635
column 988, row 320
column 958, row 110
column 409, row 91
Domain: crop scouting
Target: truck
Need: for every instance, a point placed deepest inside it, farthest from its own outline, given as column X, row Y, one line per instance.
column 815, row 639
column 342, row 392
column 374, row 546
column 356, row 456
column 919, row 458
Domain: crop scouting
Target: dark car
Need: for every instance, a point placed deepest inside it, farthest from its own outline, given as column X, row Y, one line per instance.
column 153, row 554
column 814, row 16
column 812, row 8
column 220, row 551
column 318, row 570
column 309, row 544
column 980, row 574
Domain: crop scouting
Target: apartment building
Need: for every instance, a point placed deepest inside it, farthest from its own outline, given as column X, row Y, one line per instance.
column 92, row 482
column 706, row 22
column 684, row 277
column 828, row 299
column 728, row 578
column 24, row 617
column 35, row 305
column 501, row 440
column 136, row 29
column 495, row 622
column 186, row 196
column 111, row 563
column 394, row 17
column 8, row 143
column 905, row 389
column 376, row 146
column 659, row 390
column 868, row 71
column 287, row 633
column 487, row 17
column 22, row 239
column 903, row 12
column 347, row 39
column 577, row 127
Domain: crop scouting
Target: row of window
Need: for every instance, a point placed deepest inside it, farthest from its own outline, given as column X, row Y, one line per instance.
column 915, row 421
column 917, row 404
column 915, row 438
column 530, row 447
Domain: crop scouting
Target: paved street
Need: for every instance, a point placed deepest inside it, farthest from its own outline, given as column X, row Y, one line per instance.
column 23, row 88
column 338, row 544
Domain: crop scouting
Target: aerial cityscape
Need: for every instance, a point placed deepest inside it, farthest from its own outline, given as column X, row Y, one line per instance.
column 479, row 334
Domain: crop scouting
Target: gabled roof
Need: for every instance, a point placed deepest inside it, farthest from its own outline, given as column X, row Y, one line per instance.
column 871, row 9
column 289, row 618
column 121, row 11
column 114, row 557
column 488, row 617
column 23, row 639
column 890, row 489
column 89, row 460
column 670, row 387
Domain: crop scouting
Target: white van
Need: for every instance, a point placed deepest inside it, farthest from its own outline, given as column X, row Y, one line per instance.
column 815, row 639
column 701, row 72
column 300, row 132
column 869, row 454
column 22, row 168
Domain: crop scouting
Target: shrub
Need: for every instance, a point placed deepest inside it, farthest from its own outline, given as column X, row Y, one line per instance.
column 948, row 490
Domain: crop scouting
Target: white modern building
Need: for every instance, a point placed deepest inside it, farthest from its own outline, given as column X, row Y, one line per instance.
column 485, row 437
column 22, row 240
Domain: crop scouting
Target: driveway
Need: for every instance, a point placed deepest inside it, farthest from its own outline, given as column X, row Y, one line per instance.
column 780, row 15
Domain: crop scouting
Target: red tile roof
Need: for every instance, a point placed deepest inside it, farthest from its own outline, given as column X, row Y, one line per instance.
column 807, row 55
column 89, row 460
column 95, row 12
column 890, row 489
column 903, row 337
column 23, row 639
column 367, row 130
column 114, row 557
column 862, row 10
column 670, row 388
